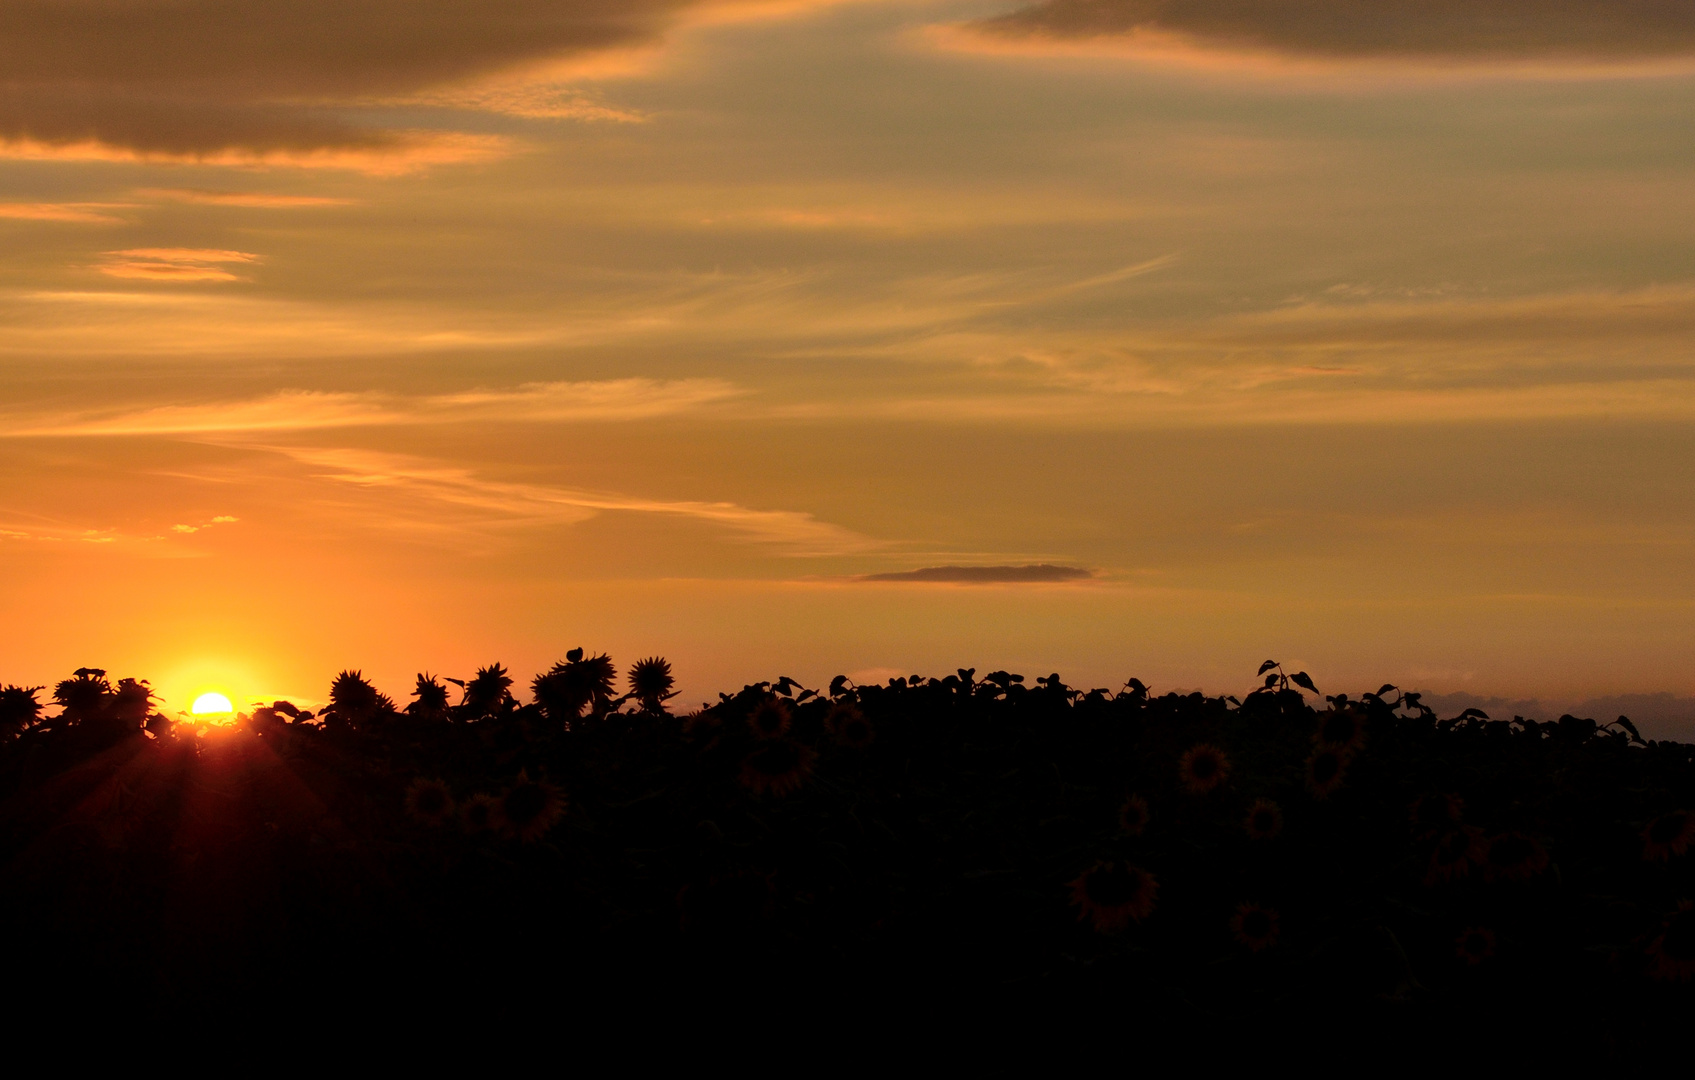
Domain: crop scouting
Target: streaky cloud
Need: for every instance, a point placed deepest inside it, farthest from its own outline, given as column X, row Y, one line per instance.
column 494, row 502
column 1442, row 30
column 375, row 153
column 188, row 255
column 83, row 213
column 986, row 575
column 303, row 410
column 247, row 199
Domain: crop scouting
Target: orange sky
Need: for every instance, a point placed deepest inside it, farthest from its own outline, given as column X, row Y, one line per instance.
column 418, row 336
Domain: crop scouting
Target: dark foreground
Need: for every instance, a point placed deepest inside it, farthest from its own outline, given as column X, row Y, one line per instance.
column 1163, row 859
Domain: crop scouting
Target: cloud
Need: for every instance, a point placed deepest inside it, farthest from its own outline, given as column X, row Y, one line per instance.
column 497, row 502
column 188, row 255
column 1444, row 30
column 986, row 575
column 173, row 264
column 164, row 271
column 536, row 101
column 1328, row 361
column 258, row 199
column 379, row 153
column 86, row 213
column 303, row 410
column 221, row 519
column 268, row 81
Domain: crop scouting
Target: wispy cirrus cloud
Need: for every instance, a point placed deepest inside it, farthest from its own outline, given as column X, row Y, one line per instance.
column 173, row 264
column 306, row 410
column 82, row 213
column 436, row 487
column 253, row 199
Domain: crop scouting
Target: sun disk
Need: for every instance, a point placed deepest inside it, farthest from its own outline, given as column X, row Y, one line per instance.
column 211, row 705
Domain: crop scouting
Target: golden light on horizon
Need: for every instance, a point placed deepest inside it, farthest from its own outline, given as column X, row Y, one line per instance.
column 1096, row 341
column 212, row 705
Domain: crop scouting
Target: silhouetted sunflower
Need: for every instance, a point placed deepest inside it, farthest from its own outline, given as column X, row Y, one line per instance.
column 1475, row 945
column 429, row 801
column 1341, row 729
column 354, row 700
column 530, row 808
column 1434, row 812
column 431, row 695
column 651, row 682
column 1668, row 835
column 18, row 708
column 1264, row 820
column 1111, row 895
column 769, row 719
column 779, row 767
column 1326, row 769
column 480, row 814
column 1513, row 856
column 849, row 726
column 1254, row 926
column 1672, row 952
column 1202, row 768
column 1455, row 854
column 1134, row 815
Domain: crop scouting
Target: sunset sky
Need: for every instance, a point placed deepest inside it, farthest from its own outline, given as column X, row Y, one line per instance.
column 419, row 335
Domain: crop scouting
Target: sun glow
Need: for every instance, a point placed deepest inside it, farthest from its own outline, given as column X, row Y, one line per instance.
column 212, row 706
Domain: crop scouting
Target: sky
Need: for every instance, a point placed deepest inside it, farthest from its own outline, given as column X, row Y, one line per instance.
column 1115, row 338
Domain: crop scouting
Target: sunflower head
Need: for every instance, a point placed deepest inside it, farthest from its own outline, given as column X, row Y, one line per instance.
column 651, row 682
column 1202, row 768
column 779, row 767
column 770, row 719
column 529, row 808
column 429, row 801
column 1672, row 953
column 354, row 700
column 1133, row 815
column 1513, row 856
column 488, row 692
column 1475, row 945
column 431, row 695
column 1454, row 855
column 1341, row 728
column 1111, row 895
column 849, row 726
column 18, row 708
column 1254, row 926
column 1326, row 769
column 1668, row 835
column 1435, row 811
column 480, row 814
column 1264, row 820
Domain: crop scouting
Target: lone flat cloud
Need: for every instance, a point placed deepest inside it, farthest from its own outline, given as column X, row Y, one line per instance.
column 986, row 575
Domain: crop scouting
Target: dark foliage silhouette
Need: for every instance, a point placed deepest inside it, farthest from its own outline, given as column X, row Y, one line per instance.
column 1175, row 858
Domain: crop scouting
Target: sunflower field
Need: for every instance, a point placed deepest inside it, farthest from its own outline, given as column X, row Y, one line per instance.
column 1167, row 858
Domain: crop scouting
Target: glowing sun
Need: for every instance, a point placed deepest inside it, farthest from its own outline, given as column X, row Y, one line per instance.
column 211, row 705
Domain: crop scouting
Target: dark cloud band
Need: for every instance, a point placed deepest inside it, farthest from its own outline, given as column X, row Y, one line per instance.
column 201, row 76
column 1459, row 29
column 986, row 575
